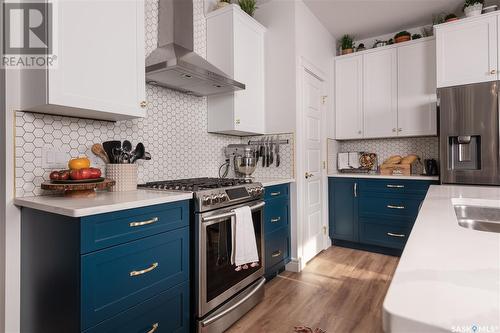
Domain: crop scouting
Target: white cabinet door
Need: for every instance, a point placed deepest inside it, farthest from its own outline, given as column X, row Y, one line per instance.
column 467, row 52
column 380, row 94
column 417, row 89
column 349, row 97
column 100, row 49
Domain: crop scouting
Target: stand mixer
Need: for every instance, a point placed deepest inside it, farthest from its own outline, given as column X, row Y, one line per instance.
column 244, row 157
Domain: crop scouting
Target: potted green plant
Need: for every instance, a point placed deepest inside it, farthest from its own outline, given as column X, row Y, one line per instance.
column 361, row 47
column 402, row 36
column 223, row 3
column 473, row 7
column 416, row 36
column 450, row 18
column 347, row 44
column 248, row 6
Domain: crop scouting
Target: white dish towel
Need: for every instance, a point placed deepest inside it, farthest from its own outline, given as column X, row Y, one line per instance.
column 244, row 249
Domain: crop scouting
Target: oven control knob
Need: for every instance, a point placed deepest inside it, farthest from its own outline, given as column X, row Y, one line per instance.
column 251, row 191
column 215, row 199
column 258, row 190
column 207, row 201
column 222, row 197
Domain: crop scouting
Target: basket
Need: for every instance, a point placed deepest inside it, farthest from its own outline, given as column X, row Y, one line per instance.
column 125, row 176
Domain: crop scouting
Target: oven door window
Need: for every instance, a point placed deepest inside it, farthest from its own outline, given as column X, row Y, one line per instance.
column 221, row 275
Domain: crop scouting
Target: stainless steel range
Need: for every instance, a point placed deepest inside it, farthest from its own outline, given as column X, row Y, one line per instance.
column 223, row 294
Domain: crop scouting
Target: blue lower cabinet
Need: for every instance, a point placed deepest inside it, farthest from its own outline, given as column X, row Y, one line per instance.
column 166, row 313
column 276, row 229
column 125, row 271
column 378, row 213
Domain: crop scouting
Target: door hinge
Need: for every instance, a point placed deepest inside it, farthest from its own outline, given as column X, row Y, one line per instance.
column 323, row 99
column 324, row 164
column 324, row 230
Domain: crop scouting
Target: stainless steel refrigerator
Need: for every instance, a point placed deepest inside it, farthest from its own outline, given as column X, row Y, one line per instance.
column 469, row 134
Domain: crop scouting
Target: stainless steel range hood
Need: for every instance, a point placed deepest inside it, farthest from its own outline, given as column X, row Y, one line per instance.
column 174, row 64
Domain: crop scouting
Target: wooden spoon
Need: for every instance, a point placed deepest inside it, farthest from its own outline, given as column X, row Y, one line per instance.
column 99, row 151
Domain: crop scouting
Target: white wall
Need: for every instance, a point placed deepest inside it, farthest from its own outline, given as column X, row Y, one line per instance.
column 279, row 17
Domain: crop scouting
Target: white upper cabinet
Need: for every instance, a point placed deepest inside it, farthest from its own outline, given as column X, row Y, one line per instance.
column 235, row 44
column 380, row 94
column 417, row 89
column 387, row 92
column 467, row 51
column 100, row 72
column 349, row 97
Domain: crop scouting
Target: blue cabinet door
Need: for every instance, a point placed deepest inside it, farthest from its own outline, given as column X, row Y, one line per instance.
column 343, row 208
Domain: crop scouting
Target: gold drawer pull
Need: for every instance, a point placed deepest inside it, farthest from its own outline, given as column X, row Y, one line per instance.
column 395, row 186
column 138, row 224
column 276, row 254
column 396, row 235
column 154, row 328
column 395, row 207
column 144, row 271
column 275, row 194
column 276, row 220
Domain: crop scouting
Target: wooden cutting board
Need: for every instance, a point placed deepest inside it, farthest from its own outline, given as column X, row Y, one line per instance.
column 79, row 189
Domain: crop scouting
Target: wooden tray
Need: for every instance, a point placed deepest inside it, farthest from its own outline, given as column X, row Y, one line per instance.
column 81, row 181
column 79, row 189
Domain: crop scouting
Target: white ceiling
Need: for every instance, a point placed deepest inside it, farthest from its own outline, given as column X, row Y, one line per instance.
column 370, row 18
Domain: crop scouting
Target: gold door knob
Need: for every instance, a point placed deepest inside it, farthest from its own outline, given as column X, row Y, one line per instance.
column 143, row 104
column 308, row 175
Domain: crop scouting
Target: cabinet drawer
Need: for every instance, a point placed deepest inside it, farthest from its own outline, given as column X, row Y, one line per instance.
column 277, row 247
column 276, row 213
column 388, row 206
column 169, row 312
column 384, row 235
column 276, row 191
column 105, row 230
column 395, row 186
column 120, row 277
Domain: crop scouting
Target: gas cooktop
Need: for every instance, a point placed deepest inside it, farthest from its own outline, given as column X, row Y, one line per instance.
column 196, row 184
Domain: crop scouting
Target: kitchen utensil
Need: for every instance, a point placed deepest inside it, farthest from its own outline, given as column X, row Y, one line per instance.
column 108, row 148
column 267, row 153
column 431, row 168
column 127, row 146
column 271, row 152
column 98, row 150
column 263, row 152
column 278, row 158
column 138, row 152
column 147, row 156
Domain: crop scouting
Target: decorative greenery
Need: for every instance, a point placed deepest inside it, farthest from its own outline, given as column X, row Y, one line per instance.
column 438, row 18
column 347, row 42
column 469, row 3
column 361, row 47
column 402, row 33
column 450, row 17
column 390, row 41
column 248, row 6
column 416, row 36
column 228, row 1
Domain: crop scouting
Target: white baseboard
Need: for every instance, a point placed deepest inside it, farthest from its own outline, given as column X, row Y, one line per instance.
column 295, row 265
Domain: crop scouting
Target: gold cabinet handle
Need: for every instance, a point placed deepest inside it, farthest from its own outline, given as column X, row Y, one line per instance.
column 143, row 104
column 393, row 130
column 276, row 254
column 308, row 175
column 395, row 207
column 275, row 194
column 141, row 223
column 395, row 186
column 154, row 328
column 396, row 235
column 493, row 72
column 144, row 271
column 277, row 219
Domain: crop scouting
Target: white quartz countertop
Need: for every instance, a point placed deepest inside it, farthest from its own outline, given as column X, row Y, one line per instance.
column 273, row 181
column 448, row 278
column 376, row 175
column 103, row 202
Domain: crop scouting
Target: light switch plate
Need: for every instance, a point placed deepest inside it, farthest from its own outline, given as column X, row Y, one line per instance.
column 54, row 159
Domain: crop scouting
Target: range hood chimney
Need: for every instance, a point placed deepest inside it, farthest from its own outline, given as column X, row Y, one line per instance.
column 174, row 64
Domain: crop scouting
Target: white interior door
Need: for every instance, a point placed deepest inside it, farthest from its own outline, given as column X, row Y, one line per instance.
column 313, row 235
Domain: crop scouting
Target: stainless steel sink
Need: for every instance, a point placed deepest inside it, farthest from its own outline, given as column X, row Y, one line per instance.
column 478, row 217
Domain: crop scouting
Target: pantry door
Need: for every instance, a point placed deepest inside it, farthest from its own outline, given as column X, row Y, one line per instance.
column 312, row 116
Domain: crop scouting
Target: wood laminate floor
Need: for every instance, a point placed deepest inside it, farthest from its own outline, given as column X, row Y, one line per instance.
column 340, row 291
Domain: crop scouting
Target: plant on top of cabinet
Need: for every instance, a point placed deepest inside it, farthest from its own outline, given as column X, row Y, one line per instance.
column 248, row 6
column 347, row 44
column 402, row 36
column 473, row 7
column 416, row 36
column 361, row 47
column 450, row 17
column 223, row 3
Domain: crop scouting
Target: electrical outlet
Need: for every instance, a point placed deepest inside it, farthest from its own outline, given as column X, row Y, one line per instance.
column 54, row 159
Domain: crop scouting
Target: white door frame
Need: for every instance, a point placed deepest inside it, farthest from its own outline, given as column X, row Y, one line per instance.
column 305, row 66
